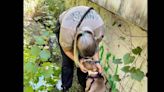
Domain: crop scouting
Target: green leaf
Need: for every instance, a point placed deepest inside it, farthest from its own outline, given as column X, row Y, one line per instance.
column 137, row 75
column 47, row 71
column 107, row 56
column 50, row 88
column 57, row 72
column 116, row 78
column 45, row 33
column 35, row 51
column 116, row 69
column 30, row 67
column 39, row 40
column 44, row 55
column 28, row 89
column 32, row 59
column 110, row 80
column 52, row 81
column 41, row 88
column 132, row 69
column 115, row 90
column 137, row 50
column 117, row 61
column 101, row 52
column 114, row 85
column 46, row 64
column 113, row 58
column 126, row 69
column 49, row 17
column 128, row 59
column 50, row 22
column 106, row 69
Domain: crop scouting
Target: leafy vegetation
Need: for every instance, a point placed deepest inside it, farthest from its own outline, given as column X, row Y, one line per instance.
column 126, row 60
column 117, row 61
column 137, row 51
column 136, row 74
column 125, row 69
column 116, row 78
column 41, row 69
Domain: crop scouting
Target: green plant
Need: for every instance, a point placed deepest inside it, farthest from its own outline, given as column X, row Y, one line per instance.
column 34, row 68
column 134, row 72
column 127, row 59
column 115, row 78
column 41, row 73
